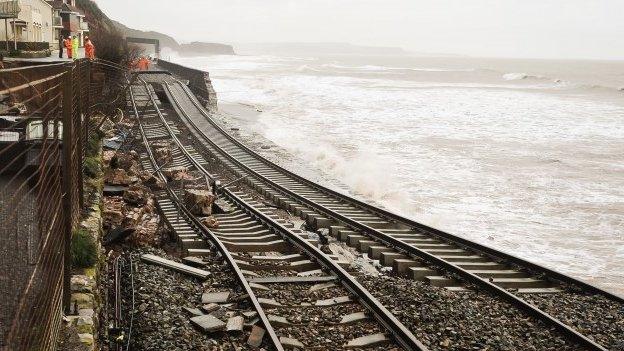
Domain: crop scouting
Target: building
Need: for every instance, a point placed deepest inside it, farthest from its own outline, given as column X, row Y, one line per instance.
column 72, row 19
column 27, row 21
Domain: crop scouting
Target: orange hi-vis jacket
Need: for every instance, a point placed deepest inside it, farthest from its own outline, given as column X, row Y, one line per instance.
column 90, row 50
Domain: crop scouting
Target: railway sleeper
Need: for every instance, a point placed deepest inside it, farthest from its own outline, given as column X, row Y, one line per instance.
column 401, row 264
column 444, row 251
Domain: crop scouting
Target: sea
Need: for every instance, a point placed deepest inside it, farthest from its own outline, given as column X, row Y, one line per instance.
column 526, row 156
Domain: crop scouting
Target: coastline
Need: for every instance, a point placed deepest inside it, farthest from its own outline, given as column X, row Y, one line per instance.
column 245, row 120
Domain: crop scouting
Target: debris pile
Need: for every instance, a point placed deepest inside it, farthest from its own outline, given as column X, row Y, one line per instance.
column 129, row 208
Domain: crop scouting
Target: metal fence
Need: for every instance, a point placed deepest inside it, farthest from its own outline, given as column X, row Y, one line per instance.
column 45, row 122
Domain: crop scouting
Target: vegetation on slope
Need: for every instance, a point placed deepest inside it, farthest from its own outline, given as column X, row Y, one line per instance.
column 108, row 39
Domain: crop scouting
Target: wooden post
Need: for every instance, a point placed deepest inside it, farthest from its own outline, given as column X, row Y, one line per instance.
column 14, row 34
column 67, row 185
column 6, row 34
column 80, row 133
column 88, row 102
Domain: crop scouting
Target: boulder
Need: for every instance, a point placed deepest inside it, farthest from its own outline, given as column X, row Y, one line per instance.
column 210, row 222
column 151, row 180
column 126, row 162
column 132, row 218
column 163, row 155
column 136, row 195
column 112, row 218
column 118, row 177
column 199, row 202
column 177, row 173
column 107, row 156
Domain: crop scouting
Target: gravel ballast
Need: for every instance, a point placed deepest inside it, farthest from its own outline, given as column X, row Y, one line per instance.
column 595, row 316
column 446, row 320
column 160, row 321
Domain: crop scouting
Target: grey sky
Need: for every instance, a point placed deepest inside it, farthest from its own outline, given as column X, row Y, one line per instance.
column 508, row 28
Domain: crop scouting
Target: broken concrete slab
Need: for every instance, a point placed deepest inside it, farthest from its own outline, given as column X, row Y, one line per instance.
column 211, row 307
column 179, row 267
column 208, row 323
column 215, row 297
column 290, row 343
column 235, row 324
column 193, row 311
column 255, row 338
column 194, row 261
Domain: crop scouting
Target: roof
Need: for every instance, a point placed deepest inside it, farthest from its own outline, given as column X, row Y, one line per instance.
column 60, row 5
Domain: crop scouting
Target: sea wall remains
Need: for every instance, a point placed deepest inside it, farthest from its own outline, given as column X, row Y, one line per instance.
column 199, row 82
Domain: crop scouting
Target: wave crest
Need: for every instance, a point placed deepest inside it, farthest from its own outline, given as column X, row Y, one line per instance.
column 521, row 76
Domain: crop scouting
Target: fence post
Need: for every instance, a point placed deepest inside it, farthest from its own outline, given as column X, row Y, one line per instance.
column 67, row 184
column 80, row 132
column 88, row 102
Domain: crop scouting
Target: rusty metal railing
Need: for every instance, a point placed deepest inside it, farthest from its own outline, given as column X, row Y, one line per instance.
column 46, row 116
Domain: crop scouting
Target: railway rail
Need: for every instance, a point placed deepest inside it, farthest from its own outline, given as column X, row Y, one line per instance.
column 410, row 248
column 281, row 271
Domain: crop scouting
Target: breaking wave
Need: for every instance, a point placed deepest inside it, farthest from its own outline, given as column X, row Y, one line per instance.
column 521, row 76
column 377, row 68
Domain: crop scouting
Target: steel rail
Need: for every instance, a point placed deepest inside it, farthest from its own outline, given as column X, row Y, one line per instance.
column 174, row 138
column 205, row 233
column 387, row 239
column 481, row 248
column 400, row 333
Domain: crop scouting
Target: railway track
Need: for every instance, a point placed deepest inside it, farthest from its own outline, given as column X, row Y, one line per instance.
column 303, row 297
column 410, row 248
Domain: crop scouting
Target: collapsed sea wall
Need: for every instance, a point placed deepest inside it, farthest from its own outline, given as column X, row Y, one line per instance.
column 199, row 82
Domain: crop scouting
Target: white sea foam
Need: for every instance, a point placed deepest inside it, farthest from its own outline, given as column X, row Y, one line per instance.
column 504, row 162
column 520, row 76
column 390, row 68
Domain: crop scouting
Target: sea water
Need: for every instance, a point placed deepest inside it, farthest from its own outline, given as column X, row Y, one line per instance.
column 526, row 156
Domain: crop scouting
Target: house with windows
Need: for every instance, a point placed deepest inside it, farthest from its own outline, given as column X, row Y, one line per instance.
column 27, row 21
column 72, row 19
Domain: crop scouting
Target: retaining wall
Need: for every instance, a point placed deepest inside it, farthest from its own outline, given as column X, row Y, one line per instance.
column 199, row 82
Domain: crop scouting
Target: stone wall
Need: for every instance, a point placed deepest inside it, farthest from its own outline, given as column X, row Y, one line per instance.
column 86, row 301
column 199, row 82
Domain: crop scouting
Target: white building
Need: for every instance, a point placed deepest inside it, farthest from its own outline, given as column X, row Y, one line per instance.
column 34, row 22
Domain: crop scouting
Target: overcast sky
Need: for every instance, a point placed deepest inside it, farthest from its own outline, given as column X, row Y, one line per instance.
column 500, row 28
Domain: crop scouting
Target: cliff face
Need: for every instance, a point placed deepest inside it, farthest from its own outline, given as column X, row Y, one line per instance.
column 198, row 48
column 166, row 41
column 99, row 20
